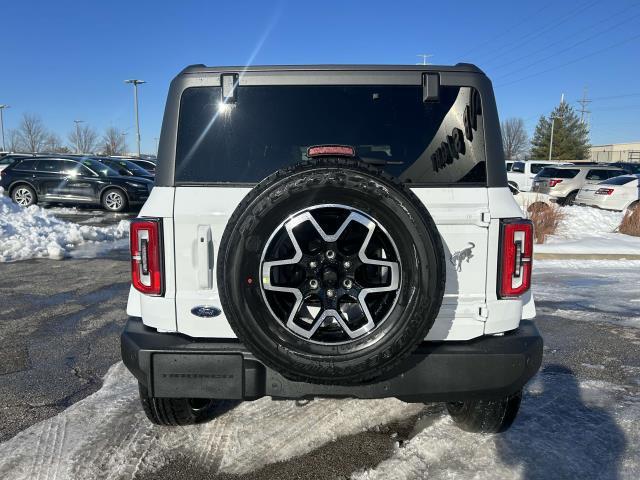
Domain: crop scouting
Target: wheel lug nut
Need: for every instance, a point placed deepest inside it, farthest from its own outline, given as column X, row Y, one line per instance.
column 313, row 283
column 330, row 254
column 313, row 264
column 330, row 293
column 347, row 264
column 347, row 283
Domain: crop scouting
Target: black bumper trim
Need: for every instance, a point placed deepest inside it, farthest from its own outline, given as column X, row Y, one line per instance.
column 174, row 365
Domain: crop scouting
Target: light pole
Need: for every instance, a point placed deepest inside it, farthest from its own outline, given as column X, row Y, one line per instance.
column 2, row 107
column 78, row 122
column 135, row 83
column 553, row 122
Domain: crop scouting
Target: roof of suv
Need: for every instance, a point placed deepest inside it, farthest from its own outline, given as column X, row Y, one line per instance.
column 459, row 67
column 574, row 166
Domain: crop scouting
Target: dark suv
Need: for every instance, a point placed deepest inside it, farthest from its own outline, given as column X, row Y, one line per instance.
column 72, row 180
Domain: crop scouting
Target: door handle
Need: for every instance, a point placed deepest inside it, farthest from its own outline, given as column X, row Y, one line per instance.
column 205, row 257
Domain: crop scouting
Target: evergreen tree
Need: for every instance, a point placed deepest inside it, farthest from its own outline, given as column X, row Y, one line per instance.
column 570, row 136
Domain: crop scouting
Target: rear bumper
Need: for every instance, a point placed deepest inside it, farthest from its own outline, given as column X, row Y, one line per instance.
column 173, row 365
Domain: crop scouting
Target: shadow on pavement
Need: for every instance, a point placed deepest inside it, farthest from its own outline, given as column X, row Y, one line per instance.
column 557, row 435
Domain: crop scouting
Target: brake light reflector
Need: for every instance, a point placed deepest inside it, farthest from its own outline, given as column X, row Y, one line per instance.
column 516, row 243
column 145, row 236
column 604, row 191
column 328, row 150
column 554, row 181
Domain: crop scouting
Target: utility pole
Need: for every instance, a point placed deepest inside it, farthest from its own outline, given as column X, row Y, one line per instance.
column 424, row 58
column 135, row 83
column 78, row 122
column 583, row 104
column 2, row 107
column 553, row 123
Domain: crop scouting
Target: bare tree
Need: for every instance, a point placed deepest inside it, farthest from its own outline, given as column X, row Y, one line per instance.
column 53, row 144
column 113, row 142
column 514, row 138
column 14, row 144
column 31, row 134
column 83, row 139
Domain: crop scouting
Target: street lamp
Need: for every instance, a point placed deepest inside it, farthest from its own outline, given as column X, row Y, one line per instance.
column 135, row 83
column 78, row 142
column 2, row 107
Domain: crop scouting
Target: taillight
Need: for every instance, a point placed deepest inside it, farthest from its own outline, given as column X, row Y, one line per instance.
column 146, row 256
column 516, row 254
column 554, row 181
column 604, row 191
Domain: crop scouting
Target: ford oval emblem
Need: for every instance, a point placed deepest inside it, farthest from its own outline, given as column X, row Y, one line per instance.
column 206, row 311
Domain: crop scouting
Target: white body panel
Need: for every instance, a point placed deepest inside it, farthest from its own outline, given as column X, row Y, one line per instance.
column 621, row 197
column 194, row 222
column 524, row 180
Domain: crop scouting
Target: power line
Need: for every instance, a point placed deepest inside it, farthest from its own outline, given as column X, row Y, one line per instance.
column 564, row 39
column 526, row 67
column 542, row 72
column 524, row 39
column 527, row 19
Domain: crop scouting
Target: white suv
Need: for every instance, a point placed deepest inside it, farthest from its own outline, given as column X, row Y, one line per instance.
column 521, row 174
column 342, row 231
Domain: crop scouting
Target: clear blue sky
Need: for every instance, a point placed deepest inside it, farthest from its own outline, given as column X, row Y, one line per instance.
column 67, row 60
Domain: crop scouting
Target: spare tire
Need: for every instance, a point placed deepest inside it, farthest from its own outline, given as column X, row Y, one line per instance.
column 331, row 272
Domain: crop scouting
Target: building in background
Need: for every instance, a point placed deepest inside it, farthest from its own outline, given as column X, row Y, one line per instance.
column 616, row 152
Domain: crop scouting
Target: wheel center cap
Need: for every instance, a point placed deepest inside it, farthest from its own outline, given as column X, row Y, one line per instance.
column 329, row 276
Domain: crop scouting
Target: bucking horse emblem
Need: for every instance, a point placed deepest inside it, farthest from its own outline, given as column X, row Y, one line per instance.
column 465, row 254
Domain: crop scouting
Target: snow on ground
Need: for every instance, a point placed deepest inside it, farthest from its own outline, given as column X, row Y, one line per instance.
column 566, row 429
column 590, row 290
column 587, row 230
column 35, row 232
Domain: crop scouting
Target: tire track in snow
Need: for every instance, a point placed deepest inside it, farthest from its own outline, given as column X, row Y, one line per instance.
column 107, row 436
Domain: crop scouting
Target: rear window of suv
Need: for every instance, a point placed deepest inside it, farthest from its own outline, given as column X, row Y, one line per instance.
column 552, row 172
column 270, row 127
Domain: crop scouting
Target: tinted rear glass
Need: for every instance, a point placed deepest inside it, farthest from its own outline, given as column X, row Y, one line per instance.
column 622, row 180
column 25, row 165
column 271, row 127
column 597, row 174
column 552, row 172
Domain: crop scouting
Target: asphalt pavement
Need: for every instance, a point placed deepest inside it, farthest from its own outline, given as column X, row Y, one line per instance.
column 59, row 327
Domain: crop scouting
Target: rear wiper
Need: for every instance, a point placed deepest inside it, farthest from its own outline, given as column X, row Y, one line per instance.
column 380, row 161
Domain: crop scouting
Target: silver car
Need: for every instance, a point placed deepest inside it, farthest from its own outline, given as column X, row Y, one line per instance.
column 563, row 182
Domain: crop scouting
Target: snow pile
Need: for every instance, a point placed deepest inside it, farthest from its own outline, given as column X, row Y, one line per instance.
column 34, row 232
column 566, row 429
column 587, row 230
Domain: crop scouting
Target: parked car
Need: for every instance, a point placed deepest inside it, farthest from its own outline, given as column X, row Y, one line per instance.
column 563, row 182
column 10, row 158
column 521, row 174
column 126, row 168
column 300, row 259
column 631, row 168
column 148, row 165
column 617, row 193
column 71, row 180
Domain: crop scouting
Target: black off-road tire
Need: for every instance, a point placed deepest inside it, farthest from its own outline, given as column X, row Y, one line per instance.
column 332, row 181
column 485, row 416
column 174, row 412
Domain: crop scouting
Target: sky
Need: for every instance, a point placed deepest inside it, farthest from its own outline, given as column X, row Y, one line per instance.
column 67, row 60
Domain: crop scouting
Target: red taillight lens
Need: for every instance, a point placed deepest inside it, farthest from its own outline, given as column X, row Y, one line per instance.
column 146, row 256
column 554, row 181
column 328, row 150
column 604, row 191
column 516, row 241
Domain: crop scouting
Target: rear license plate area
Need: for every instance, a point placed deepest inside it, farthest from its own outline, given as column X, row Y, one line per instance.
column 183, row 375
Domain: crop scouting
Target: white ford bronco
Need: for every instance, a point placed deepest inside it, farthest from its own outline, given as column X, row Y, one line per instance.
column 331, row 231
